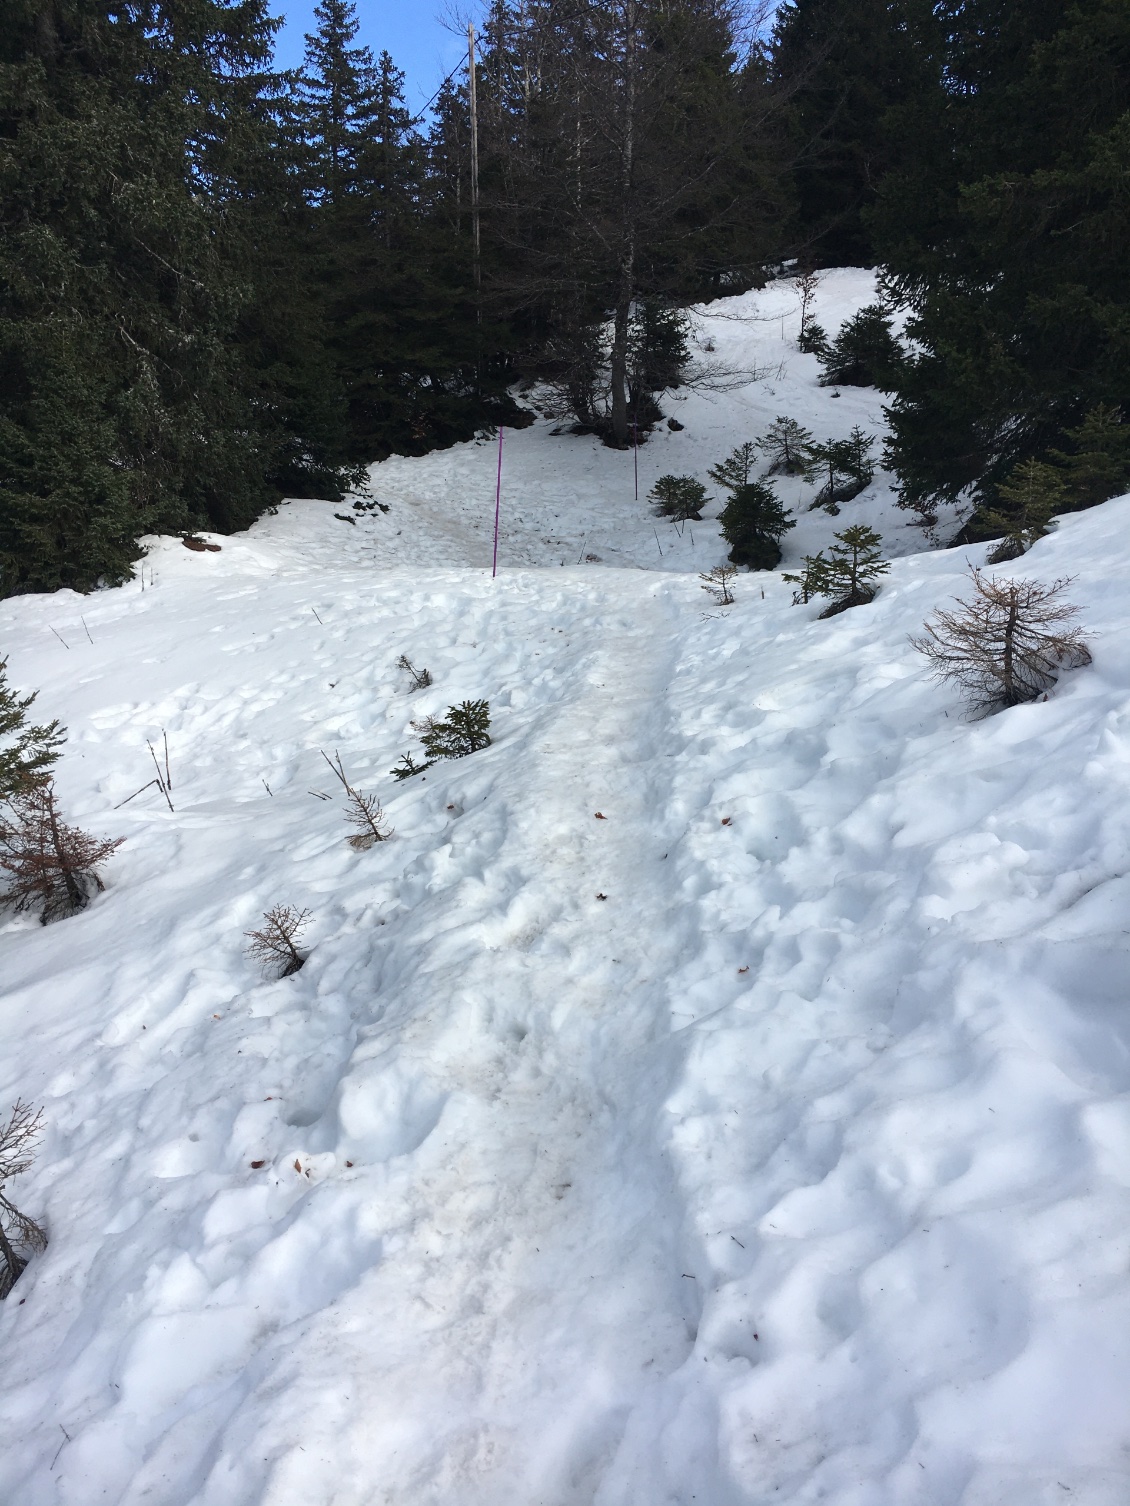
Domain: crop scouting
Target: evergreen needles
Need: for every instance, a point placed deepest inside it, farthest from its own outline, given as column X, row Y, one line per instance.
column 464, row 730
column 26, row 751
column 849, row 573
column 678, row 497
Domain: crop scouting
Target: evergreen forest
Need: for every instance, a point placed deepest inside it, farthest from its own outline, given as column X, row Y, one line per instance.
column 222, row 283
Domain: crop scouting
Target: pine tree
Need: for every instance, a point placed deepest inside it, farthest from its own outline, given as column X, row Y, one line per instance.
column 849, row 68
column 1027, row 501
column 849, row 574
column 753, row 524
column 1097, row 464
column 843, row 466
column 864, row 353
column 27, row 752
column 737, row 469
column 336, row 99
column 678, row 497
column 1004, row 235
column 130, row 256
column 787, row 445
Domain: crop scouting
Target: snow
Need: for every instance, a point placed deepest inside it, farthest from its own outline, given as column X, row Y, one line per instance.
column 765, row 1140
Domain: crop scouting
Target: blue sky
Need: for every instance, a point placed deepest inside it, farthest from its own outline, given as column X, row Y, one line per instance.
column 409, row 29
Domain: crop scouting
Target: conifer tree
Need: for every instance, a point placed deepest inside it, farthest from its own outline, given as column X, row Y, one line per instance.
column 131, row 257
column 1097, row 463
column 27, row 751
column 849, row 573
column 753, row 524
column 787, row 445
column 1033, row 493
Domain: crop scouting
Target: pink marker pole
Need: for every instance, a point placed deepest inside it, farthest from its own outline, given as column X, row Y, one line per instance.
column 497, row 505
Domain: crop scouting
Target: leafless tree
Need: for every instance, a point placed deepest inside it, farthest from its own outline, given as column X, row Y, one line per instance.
column 1006, row 646
column 274, row 945
column 421, row 678
column 20, row 1236
column 365, row 811
column 49, row 864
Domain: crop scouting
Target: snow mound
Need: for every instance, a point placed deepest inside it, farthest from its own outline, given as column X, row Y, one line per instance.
column 717, row 1090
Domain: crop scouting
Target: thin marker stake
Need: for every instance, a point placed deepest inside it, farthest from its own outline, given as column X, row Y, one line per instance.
column 636, row 457
column 63, row 641
column 497, row 505
column 89, row 639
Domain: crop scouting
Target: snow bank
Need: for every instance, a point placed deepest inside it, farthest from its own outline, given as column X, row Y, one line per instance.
column 763, row 1137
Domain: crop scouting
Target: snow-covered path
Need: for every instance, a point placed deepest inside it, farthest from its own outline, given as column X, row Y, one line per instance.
column 795, row 1168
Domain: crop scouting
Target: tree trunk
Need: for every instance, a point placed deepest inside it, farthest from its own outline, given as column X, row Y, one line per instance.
column 1010, row 696
column 626, row 290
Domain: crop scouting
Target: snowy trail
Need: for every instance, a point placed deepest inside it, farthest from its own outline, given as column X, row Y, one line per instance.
column 793, row 1170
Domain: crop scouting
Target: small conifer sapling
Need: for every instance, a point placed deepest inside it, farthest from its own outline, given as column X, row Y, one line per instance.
column 786, row 445
column 679, row 498
column 849, row 574
column 464, row 730
column 753, row 524
column 720, row 583
column 26, row 751
column 1097, row 464
column 864, row 353
column 737, row 469
column 275, row 944
column 49, row 865
column 20, row 1236
column 1008, row 644
column 1033, row 493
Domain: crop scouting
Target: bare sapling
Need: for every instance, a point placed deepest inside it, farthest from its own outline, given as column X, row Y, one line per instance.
column 1006, row 646
column 421, row 678
column 364, row 811
column 274, row 945
column 20, row 1236
column 719, row 583
column 49, row 864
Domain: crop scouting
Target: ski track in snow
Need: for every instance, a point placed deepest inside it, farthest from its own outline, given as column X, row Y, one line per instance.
column 763, row 1138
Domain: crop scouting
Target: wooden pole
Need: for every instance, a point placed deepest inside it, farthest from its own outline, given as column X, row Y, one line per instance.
column 497, row 505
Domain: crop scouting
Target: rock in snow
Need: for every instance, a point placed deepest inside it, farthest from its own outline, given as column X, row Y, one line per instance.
column 765, row 1141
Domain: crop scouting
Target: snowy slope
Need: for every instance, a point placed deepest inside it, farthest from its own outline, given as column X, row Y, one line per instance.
column 766, row 1140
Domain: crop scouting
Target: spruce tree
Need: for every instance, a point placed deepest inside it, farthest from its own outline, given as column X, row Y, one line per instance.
column 130, row 255
column 1004, row 236
column 753, row 524
column 27, row 751
column 787, row 444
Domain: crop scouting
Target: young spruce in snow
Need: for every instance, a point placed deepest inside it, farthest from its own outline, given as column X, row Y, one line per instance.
column 849, row 574
column 26, row 752
column 462, row 731
column 679, row 498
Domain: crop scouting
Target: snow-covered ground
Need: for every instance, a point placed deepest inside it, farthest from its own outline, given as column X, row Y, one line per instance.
column 717, row 1091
